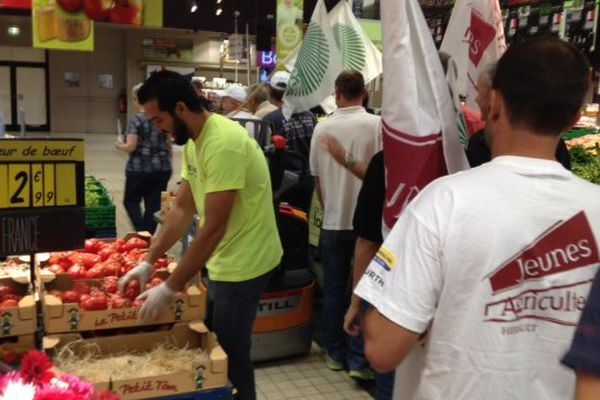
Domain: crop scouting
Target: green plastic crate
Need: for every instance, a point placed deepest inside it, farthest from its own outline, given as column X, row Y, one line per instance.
column 100, row 217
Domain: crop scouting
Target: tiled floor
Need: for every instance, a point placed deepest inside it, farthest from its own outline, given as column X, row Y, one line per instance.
column 304, row 377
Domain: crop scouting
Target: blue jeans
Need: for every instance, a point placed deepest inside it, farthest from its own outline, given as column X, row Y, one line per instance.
column 234, row 306
column 144, row 186
column 337, row 250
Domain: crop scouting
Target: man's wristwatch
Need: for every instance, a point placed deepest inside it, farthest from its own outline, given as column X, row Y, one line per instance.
column 349, row 160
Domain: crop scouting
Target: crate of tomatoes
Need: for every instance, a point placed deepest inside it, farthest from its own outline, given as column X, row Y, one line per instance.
column 79, row 290
column 17, row 308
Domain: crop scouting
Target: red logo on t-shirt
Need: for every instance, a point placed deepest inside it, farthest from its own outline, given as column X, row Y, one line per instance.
column 482, row 34
column 566, row 246
column 542, row 295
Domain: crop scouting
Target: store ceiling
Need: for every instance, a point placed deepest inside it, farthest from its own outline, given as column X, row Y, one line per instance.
column 177, row 14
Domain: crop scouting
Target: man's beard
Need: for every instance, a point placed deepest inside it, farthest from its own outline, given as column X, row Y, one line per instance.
column 180, row 132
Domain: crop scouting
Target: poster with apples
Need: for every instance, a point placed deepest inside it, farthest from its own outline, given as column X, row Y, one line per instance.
column 69, row 24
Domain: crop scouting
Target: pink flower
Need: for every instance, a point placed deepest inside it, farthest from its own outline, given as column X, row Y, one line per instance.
column 55, row 393
column 78, row 386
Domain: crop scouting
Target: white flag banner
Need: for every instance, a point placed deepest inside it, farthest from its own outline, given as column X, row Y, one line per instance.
column 487, row 42
column 456, row 41
column 474, row 38
column 357, row 50
column 420, row 134
column 334, row 42
column 317, row 65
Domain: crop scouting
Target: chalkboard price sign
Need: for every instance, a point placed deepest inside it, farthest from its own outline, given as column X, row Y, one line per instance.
column 41, row 195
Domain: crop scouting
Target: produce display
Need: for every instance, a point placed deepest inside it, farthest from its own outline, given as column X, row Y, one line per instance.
column 585, row 164
column 105, row 296
column 100, row 259
column 8, row 298
column 587, row 142
column 87, row 361
column 100, row 211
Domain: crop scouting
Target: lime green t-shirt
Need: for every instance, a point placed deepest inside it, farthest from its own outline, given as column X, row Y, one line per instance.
column 224, row 157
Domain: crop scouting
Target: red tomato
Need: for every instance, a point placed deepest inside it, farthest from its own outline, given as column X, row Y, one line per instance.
column 15, row 297
column 111, row 268
column 91, row 245
column 135, row 243
column 105, row 253
column 9, row 303
column 111, row 284
column 90, row 260
column 96, row 272
column 55, row 258
column 162, row 262
column 6, row 290
column 77, row 271
column 75, row 257
column 95, row 291
column 71, row 296
column 117, row 245
column 132, row 290
column 137, row 303
column 81, row 288
column 95, row 303
column 9, row 357
column 117, row 301
column 83, row 298
column 57, row 269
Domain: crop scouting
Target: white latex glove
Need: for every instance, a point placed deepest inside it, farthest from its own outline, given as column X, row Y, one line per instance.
column 141, row 272
column 157, row 302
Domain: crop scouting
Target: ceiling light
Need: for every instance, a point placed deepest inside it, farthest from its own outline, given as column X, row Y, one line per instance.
column 219, row 11
column 194, row 6
column 13, row 30
column 219, row 1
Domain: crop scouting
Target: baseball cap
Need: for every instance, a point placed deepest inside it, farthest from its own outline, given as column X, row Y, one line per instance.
column 235, row 92
column 279, row 80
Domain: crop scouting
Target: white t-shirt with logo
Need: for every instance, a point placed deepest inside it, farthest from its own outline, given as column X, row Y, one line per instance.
column 496, row 263
column 360, row 134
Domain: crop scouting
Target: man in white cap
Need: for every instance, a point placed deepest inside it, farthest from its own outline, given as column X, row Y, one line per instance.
column 234, row 106
column 298, row 131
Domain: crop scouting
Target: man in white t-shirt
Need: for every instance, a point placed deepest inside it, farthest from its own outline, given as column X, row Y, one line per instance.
column 495, row 263
column 337, row 188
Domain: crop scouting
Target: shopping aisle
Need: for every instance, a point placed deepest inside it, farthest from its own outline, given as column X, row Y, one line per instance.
column 294, row 378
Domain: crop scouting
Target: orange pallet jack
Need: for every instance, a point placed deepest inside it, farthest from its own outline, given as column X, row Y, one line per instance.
column 283, row 325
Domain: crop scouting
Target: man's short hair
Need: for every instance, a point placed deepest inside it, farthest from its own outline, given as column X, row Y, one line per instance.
column 168, row 88
column 350, row 84
column 543, row 82
column 275, row 94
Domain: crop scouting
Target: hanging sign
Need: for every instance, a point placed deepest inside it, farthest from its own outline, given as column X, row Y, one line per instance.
column 41, row 195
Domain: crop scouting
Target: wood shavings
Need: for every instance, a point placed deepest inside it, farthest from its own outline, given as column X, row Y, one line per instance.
column 84, row 359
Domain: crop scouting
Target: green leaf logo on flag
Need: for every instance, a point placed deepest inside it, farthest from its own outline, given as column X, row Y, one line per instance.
column 351, row 45
column 312, row 63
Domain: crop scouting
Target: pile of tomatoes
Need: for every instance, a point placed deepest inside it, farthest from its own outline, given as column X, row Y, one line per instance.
column 102, row 259
column 8, row 297
column 105, row 296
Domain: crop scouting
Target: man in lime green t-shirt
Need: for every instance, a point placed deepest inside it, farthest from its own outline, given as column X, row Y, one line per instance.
column 225, row 179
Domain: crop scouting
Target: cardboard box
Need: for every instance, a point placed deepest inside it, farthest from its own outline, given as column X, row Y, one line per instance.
column 70, row 317
column 210, row 374
column 21, row 320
